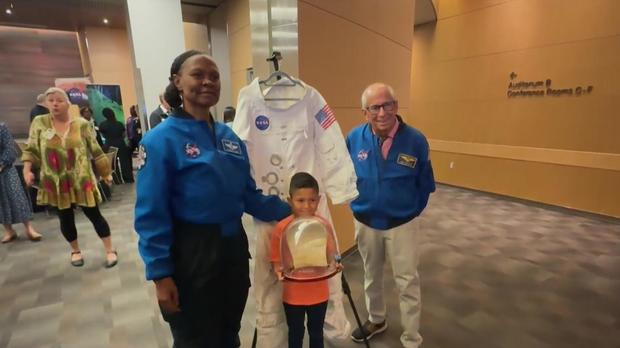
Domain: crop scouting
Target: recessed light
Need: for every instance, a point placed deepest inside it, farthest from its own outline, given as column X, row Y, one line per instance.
column 105, row 21
column 8, row 11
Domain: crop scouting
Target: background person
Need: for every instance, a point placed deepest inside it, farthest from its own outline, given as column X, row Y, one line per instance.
column 114, row 133
column 61, row 146
column 14, row 203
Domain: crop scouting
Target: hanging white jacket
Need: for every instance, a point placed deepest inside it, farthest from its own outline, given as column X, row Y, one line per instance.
column 281, row 140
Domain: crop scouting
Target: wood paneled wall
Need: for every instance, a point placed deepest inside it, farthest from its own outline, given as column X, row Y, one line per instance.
column 561, row 150
column 30, row 61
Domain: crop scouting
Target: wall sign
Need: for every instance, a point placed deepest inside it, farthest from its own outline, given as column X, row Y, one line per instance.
column 540, row 88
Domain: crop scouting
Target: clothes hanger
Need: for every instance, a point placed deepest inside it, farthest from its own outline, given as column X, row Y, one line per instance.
column 279, row 78
column 278, row 75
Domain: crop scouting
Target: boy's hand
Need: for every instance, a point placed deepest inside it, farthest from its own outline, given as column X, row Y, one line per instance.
column 339, row 267
column 280, row 275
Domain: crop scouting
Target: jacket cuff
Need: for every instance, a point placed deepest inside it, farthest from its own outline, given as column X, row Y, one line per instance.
column 344, row 197
column 159, row 269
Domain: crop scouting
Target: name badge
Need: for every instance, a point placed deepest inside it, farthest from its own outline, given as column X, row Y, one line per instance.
column 48, row 134
column 406, row 160
column 231, row 146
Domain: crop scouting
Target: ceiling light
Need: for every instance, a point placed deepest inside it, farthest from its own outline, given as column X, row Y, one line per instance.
column 105, row 21
column 8, row 11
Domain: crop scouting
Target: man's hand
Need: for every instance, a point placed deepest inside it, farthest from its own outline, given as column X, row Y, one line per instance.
column 167, row 294
column 108, row 179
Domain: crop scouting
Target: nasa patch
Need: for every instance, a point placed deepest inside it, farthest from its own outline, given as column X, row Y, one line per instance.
column 362, row 155
column 141, row 157
column 262, row 122
column 192, row 150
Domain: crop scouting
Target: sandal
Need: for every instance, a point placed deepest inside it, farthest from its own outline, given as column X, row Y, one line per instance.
column 34, row 237
column 9, row 238
column 108, row 263
column 79, row 262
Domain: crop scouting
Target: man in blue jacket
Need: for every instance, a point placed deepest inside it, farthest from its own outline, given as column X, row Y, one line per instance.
column 394, row 180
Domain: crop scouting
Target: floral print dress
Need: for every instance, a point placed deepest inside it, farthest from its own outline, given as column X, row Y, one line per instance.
column 14, row 204
column 64, row 160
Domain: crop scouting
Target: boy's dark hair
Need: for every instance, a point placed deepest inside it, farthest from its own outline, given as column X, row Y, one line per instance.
column 303, row 180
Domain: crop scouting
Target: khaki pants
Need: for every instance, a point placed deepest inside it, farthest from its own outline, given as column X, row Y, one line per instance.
column 399, row 245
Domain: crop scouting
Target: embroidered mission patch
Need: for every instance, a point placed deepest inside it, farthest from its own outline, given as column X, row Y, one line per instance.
column 406, row 160
column 231, row 146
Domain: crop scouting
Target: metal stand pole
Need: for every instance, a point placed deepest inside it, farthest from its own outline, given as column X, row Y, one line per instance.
column 255, row 336
column 347, row 290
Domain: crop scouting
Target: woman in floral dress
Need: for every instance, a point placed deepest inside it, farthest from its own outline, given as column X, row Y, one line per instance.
column 14, row 204
column 61, row 146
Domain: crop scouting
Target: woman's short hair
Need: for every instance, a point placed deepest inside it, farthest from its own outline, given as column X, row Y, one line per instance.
column 56, row 90
column 84, row 108
column 133, row 110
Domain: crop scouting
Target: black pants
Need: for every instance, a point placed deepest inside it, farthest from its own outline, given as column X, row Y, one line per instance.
column 67, row 222
column 213, row 277
column 295, row 317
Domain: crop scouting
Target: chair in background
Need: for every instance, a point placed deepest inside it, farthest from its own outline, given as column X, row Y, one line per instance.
column 111, row 155
column 116, row 167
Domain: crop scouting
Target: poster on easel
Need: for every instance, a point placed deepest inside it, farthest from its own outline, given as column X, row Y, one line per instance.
column 105, row 96
column 75, row 87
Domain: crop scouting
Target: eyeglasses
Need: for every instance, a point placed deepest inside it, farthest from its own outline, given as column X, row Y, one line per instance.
column 387, row 107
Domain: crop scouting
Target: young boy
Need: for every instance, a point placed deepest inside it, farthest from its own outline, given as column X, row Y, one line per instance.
column 301, row 298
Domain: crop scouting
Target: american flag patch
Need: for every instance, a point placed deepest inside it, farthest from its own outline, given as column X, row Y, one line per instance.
column 325, row 117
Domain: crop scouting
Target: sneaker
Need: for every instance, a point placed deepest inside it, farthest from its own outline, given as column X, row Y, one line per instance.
column 370, row 329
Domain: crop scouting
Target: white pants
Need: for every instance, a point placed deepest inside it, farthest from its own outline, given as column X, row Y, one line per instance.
column 270, row 319
column 400, row 245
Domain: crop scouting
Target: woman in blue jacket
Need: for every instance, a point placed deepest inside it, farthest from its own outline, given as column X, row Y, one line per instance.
column 193, row 185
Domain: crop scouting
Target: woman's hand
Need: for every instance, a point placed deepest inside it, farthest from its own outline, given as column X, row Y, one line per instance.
column 28, row 177
column 167, row 294
column 108, row 179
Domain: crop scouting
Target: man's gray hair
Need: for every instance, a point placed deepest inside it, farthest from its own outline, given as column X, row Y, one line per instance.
column 375, row 85
column 41, row 98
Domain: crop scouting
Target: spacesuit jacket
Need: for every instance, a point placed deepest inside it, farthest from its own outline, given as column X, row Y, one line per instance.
column 304, row 137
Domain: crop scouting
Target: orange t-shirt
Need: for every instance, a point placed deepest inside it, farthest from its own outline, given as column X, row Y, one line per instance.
column 297, row 293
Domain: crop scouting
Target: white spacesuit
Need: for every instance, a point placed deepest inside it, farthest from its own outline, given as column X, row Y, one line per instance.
column 284, row 137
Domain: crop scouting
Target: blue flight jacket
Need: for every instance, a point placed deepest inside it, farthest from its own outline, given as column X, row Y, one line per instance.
column 197, row 175
column 395, row 190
